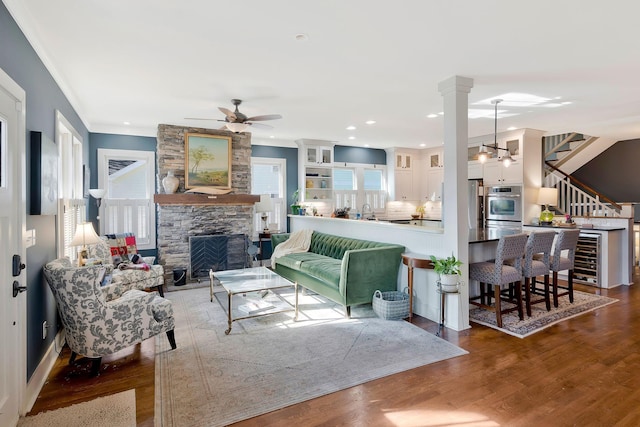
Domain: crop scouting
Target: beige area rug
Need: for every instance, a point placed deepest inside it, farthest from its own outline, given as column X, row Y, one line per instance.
column 116, row 410
column 541, row 318
column 270, row 362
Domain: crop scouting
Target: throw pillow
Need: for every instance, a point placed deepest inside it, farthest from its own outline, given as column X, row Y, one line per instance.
column 122, row 245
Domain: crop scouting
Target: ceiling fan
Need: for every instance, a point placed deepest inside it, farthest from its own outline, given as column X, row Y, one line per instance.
column 238, row 122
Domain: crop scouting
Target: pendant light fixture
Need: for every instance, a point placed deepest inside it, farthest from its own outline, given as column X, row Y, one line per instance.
column 484, row 154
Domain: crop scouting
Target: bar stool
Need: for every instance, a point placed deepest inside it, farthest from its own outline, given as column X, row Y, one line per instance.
column 536, row 263
column 567, row 240
column 413, row 260
column 497, row 273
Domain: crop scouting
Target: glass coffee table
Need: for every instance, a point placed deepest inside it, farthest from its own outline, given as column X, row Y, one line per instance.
column 254, row 284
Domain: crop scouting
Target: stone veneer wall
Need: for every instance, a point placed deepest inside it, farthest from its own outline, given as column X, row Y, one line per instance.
column 176, row 223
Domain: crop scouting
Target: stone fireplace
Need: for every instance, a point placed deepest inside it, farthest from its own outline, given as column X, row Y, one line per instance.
column 181, row 216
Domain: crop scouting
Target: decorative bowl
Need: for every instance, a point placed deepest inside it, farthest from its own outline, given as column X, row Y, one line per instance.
column 415, row 216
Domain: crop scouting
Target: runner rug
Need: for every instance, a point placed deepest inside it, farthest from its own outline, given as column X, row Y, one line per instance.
column 270, row 362
column 541, row 318
column 116, row 410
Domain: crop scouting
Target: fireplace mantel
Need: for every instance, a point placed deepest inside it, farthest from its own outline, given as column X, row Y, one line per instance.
column 190, row 199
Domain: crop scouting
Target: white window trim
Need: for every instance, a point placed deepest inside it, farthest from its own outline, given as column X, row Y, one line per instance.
column 358, row 197
column 280, row 203
column 105, row 154
column 72, row 206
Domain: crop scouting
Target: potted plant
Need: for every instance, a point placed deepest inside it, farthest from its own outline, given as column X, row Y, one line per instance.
column 449, row 270
column 295, row 207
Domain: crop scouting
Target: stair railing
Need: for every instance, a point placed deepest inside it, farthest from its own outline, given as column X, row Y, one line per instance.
column 574, row 197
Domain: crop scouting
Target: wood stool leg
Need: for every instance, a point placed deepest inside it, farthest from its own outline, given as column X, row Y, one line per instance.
column 527, row 295
column 555, row 289
column 547, row 297
column 519, row 299
column 570, row 286
column 498, row 305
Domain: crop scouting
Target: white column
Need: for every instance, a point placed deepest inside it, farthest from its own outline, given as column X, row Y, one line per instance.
column 455, row 92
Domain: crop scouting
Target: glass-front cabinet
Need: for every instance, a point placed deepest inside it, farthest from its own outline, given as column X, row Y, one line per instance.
column 318, row 155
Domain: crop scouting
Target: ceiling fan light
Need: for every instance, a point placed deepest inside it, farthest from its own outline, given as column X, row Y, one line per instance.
column 237, row 127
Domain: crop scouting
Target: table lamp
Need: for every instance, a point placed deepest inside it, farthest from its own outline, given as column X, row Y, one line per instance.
column 264, row 206
column 546, row 197
column 85, row 235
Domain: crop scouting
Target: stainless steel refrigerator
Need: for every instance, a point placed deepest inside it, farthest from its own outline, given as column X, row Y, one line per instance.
column 475, row 192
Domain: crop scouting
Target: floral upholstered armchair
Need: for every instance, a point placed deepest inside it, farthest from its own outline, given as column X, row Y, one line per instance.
column 97, row 327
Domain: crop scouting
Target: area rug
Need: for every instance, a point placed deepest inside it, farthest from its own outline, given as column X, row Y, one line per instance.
column 116, row 410
column 270, row 362
column 541, row 318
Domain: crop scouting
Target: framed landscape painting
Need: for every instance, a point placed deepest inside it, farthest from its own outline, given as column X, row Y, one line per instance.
column 207, row 161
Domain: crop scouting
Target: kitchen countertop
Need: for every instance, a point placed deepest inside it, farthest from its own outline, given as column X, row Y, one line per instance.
column 594, row 228
column 482, row 235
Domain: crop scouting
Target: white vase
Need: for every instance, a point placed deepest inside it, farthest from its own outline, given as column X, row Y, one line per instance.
column 170, row 183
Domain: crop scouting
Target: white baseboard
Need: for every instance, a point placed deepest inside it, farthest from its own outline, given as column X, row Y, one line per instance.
column 41, row 373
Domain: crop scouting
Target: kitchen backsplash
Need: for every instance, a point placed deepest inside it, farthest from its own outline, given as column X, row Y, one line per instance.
column 403, row 210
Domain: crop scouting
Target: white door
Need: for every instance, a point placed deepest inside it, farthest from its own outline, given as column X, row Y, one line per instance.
column 12, row 217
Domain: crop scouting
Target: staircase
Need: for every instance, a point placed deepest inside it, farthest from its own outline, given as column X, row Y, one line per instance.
column 574, row 197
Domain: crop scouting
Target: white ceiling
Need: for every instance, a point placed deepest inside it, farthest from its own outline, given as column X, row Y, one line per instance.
column 148, row 62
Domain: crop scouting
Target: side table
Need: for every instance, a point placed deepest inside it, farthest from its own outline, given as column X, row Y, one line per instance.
column 264, row 236
column 414, row 260
column 443, row 291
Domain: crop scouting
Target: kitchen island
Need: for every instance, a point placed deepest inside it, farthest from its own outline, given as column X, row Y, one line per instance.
column 604, row 257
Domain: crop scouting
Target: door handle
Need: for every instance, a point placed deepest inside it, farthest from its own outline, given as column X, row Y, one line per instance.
column 17, row 266
column 17, row 288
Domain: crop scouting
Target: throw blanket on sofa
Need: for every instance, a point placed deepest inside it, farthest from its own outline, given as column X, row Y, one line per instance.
column 299, row 241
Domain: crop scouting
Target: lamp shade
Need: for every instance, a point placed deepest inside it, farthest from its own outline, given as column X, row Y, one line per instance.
column 85, row 235
column 97, row 193
column 265, row 204
column 548, row 196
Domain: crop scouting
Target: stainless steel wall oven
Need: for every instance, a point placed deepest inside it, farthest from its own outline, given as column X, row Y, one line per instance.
column 504, row 203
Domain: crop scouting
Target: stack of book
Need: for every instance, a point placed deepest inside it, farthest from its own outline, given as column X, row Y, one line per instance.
column 255, row 306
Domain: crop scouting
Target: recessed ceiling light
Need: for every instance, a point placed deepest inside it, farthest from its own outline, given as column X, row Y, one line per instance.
column 432, row 116
column 127, row 123
column 271, row 136
column 366, row 145
column 370, row 122
column 351, row 127
column 512, row 128
column 423, row 145
column 516, row 99
column 352, row 137
column 566, row 103
column 302, row 37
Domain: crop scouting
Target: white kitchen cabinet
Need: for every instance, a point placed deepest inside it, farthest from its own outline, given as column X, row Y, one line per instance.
column 405, row 187
column 435, row 177
column 404, row 161
column 318, row 155
column 495, row 173
column 315, row 171
column 436, row 159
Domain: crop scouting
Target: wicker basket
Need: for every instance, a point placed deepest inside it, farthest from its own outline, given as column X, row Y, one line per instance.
column 391, row 305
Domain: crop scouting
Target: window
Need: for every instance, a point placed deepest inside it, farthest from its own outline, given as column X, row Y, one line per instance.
column 268, row 177
column 72, row 206
column 357, row 184
column 128, row 176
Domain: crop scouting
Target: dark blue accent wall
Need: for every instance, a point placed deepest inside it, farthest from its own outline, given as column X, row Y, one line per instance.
column 344, row 154
column 44, row 97
column 291, row 157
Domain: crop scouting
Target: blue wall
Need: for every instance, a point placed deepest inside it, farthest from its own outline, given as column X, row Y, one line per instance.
column 44, row 97
column 346, row 154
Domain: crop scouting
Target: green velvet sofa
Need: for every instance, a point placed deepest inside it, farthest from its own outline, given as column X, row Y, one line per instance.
column 345, row 270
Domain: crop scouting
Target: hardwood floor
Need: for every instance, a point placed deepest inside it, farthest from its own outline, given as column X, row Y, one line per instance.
column 583, row 372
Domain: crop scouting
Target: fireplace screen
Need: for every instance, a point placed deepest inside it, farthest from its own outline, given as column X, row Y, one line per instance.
column 217, row 252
